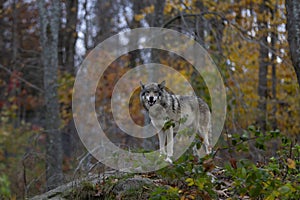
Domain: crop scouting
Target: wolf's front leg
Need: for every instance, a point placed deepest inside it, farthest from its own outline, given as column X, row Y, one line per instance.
column 208, row 148
column 205, row 149
column 162, row 142
column 170, row 144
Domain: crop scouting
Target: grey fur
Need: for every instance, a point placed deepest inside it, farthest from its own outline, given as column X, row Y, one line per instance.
column 163, row 105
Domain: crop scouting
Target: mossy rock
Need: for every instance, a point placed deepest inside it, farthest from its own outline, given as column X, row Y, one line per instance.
column 123, row 187
column 86, row 190
column 133, row 188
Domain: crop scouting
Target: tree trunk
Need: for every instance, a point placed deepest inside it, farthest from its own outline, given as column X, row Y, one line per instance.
column 158, row 18
column 200, row 24
column 15, row 46
column 263, row 71
column 293, row 28
column 71, row 34
column 49, row 27
column 274, row 36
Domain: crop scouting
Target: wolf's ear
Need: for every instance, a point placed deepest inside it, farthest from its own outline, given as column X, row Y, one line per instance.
column 142, row 85
column 162, row 85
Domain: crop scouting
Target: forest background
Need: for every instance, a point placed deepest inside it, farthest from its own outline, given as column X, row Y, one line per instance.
column 254, row 43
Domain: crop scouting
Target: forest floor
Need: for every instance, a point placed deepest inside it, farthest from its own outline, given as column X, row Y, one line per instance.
column 191, row 178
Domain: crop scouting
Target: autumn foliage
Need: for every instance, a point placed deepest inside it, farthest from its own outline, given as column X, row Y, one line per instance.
column 243, row 38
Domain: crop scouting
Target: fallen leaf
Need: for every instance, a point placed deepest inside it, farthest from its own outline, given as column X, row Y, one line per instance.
column 208, row 165
column 233, row 163
column 291, row 163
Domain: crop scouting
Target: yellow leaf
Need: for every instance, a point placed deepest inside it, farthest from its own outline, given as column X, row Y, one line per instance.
column 191, row 196
column 149, row 9
column 190, row 181
column 139, row 17
column 291, row 163
column 168, row 8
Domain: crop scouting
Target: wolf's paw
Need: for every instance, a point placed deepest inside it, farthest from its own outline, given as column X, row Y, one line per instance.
column 168, row 159
column 162, row 153
column 209, row 150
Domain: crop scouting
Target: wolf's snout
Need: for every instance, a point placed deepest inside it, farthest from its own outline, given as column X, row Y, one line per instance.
column 151, row 100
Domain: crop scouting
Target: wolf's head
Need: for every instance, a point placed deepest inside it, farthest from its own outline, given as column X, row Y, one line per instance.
column 152, row 93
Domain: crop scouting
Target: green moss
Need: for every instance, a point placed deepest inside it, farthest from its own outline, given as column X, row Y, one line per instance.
column 142, row 192
column 86, row 190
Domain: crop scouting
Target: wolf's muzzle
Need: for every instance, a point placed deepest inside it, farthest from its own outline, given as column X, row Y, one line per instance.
column 151, row 101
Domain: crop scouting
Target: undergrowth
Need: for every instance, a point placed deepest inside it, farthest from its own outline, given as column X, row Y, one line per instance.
column 277, row 177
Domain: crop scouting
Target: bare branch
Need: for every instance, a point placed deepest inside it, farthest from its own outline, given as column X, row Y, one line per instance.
column 21, row 79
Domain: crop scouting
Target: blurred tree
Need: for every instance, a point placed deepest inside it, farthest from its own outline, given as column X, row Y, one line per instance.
column 274, row 44
column 49, row 27
column 263, row 66
column 247, row 39
column 293, row 28
column 68, row 35
column 158, row 18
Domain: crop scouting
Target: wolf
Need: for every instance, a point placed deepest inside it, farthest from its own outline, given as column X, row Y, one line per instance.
column 166, row 108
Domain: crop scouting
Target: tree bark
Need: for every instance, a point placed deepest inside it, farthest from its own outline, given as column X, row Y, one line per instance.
column 274, row 38
column 71, row 34
column 263, row 71
column 49, row 27
column 200, row 24
column 293, row 28
column 158, row 18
